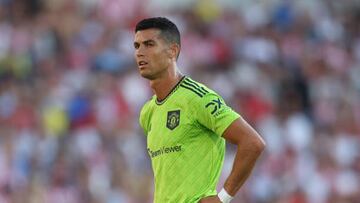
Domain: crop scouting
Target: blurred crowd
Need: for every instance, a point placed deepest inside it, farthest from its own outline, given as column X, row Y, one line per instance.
column 70, row 95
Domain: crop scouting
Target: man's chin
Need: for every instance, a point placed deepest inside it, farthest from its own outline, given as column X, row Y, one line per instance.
column 147, row 76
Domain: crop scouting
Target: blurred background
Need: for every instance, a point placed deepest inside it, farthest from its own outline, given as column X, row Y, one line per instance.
column 70, row 95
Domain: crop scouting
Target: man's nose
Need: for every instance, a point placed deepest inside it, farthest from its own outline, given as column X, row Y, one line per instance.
column 139, row 52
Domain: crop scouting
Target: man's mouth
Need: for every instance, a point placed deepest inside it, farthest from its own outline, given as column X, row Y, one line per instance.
column 142, row 63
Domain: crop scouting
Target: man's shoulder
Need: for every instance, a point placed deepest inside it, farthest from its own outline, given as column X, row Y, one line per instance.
column 200, row 98
column 147, row 106
column 194, row 91
column 145, row 114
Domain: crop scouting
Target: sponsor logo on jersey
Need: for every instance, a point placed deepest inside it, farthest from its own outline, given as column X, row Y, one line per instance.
column 164, row 150
column 173, row 119
column 216, row 104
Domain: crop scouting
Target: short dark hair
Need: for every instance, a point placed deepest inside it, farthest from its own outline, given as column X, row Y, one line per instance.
column 168, row 29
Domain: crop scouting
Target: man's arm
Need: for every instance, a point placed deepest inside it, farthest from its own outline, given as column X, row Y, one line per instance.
column 249, row 147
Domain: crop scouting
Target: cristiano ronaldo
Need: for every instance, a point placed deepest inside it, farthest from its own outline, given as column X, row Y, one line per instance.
column 186, row 125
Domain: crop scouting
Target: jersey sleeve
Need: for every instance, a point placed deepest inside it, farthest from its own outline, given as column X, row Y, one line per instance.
column 213, row 113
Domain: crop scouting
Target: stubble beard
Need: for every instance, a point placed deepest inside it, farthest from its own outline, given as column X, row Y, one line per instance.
column 152, row 75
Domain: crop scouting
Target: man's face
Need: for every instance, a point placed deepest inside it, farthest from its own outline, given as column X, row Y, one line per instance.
column 151, row 53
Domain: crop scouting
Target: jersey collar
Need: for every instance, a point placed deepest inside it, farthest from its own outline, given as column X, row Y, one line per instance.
column 159, row 102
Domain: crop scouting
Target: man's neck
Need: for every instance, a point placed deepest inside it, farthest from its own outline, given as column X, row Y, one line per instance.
column 163, row 86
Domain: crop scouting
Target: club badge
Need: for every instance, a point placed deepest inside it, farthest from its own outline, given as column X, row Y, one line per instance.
column 173, row 119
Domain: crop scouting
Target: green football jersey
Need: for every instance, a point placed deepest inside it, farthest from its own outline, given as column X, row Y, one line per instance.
column 184, row 141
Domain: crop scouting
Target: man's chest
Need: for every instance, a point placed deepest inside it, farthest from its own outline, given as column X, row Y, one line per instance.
column 169, row 129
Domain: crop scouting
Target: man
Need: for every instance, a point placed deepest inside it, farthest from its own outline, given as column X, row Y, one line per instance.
column 186, row 125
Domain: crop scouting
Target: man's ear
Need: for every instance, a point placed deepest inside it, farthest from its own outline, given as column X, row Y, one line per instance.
column 174, row 51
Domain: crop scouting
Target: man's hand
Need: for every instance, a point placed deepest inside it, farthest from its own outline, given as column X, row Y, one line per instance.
column 210, row 199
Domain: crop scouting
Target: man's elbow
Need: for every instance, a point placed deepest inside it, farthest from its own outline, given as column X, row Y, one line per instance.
column 258, row 145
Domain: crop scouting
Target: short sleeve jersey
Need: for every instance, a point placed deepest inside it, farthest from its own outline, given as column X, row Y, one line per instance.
column 184, row 141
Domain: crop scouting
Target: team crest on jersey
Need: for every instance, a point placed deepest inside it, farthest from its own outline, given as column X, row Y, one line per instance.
column 173, row 119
